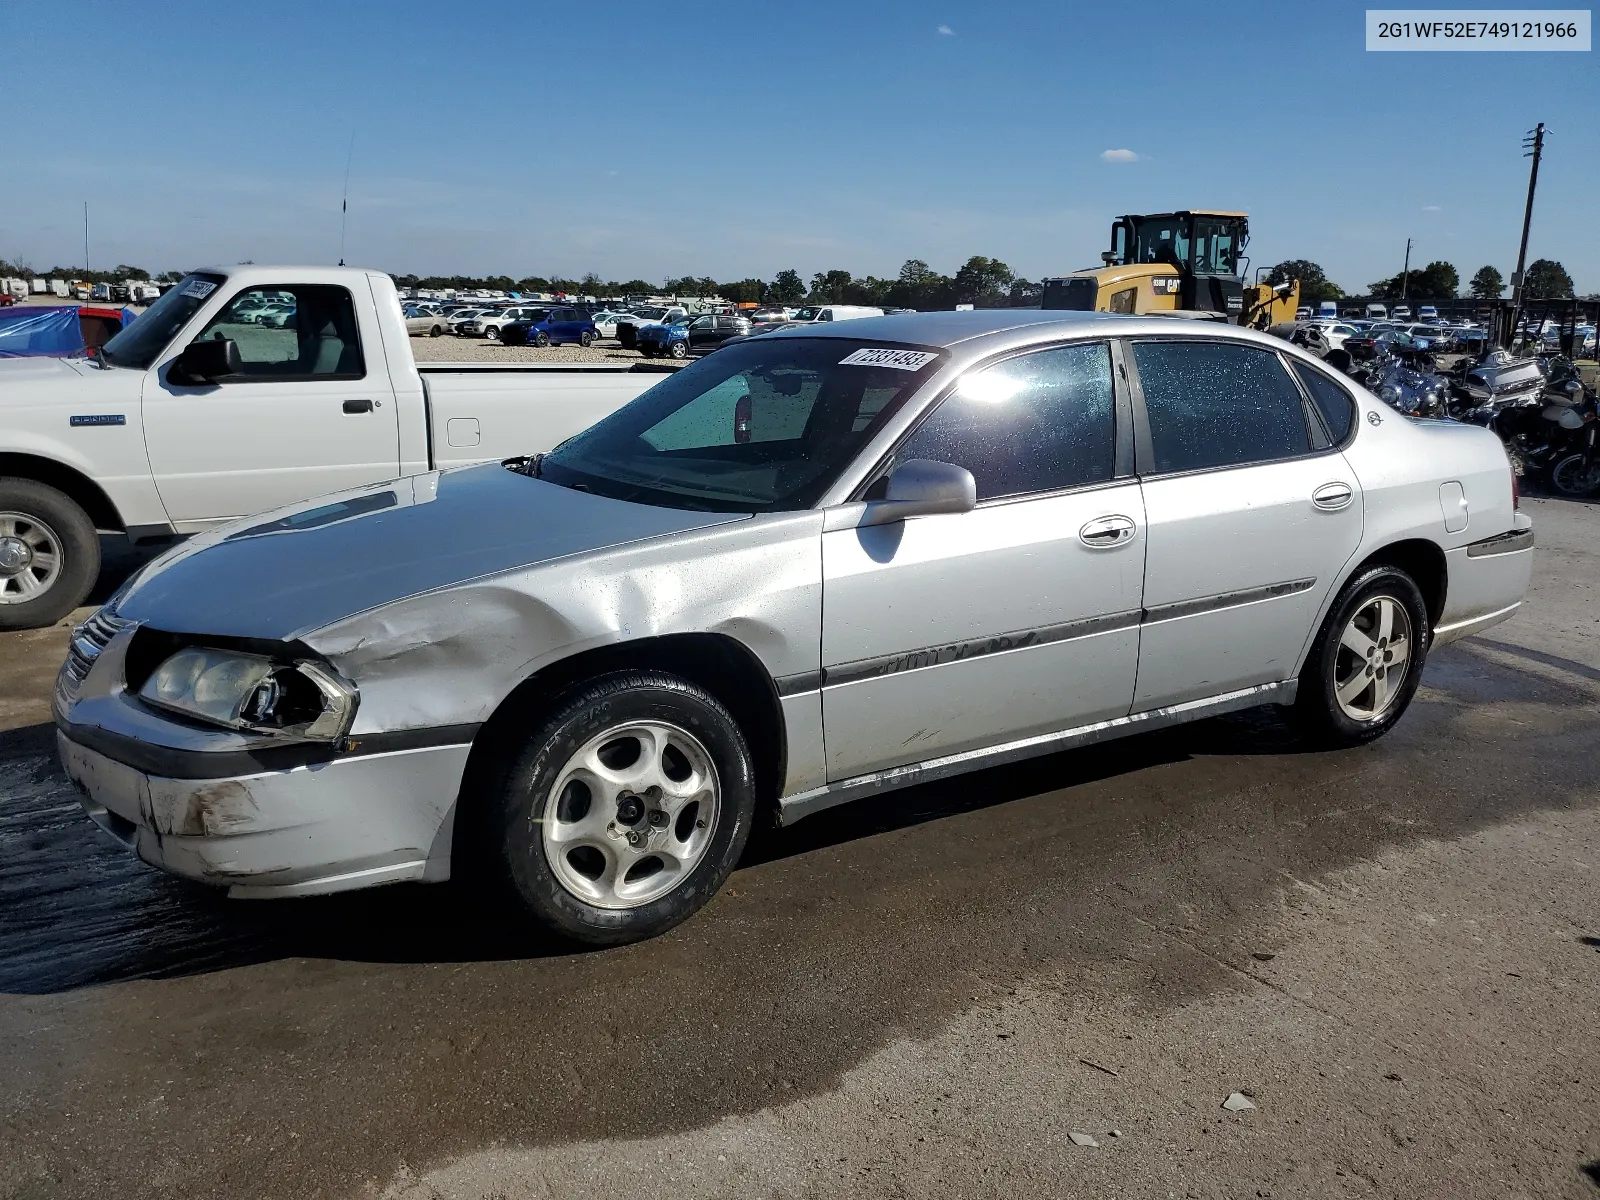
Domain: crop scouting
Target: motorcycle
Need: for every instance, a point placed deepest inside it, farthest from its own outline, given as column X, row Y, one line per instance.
column 1413, row 391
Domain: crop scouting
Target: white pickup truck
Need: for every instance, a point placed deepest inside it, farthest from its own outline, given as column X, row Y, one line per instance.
column 202, row 411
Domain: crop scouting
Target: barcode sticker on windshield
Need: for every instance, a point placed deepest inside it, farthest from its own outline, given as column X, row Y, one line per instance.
column 900, row 360
column 199, row 288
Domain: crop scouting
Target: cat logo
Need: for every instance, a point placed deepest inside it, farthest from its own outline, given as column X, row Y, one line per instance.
column 1165, row 285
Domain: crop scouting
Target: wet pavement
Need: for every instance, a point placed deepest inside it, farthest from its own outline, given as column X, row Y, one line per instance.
column 1394, row 950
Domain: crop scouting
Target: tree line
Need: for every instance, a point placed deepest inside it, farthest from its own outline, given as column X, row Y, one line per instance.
column 981, row 282
column 1545, row 279
column 120, row 274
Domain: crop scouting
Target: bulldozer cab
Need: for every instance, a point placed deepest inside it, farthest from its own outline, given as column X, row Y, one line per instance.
column 1197, row 243
column 1188, row 263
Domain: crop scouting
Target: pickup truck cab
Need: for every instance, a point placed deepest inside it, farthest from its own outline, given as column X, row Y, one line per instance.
column 196, row 414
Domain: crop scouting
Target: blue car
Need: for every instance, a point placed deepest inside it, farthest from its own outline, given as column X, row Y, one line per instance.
column 550, row 327
column 676, row 338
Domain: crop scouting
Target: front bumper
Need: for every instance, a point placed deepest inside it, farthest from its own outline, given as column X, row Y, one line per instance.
column 325, row 827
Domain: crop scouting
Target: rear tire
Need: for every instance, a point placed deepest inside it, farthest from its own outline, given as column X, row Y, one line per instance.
column 1574, row 477
column 1348, row 692
column 434, row 331
column 679, row 350
column 585, row 339
column 49, row 554
column 583, row 847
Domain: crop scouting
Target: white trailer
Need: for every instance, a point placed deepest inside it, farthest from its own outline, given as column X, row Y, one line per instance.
column 58, row 287
column 38, row 287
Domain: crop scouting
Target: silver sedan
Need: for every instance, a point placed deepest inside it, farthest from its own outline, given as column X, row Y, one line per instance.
column 808, row 569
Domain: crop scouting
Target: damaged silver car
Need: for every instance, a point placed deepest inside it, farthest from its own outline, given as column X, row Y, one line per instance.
column 810, row 568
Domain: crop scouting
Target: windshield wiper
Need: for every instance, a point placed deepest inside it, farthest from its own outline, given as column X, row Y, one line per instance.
column 529, row 465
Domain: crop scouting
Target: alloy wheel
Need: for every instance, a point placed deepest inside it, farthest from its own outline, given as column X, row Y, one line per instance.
column 30, row 557
column 631, row 814
column 1373, row 659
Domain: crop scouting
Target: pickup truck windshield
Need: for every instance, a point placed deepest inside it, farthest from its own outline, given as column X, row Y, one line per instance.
column 139, row 344
column 761, row 426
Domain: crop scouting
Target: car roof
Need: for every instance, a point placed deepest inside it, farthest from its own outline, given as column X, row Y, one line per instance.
column 954, row 328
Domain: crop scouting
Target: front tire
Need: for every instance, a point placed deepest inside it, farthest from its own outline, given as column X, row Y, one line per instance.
column 1367, row 661
column 541, row 340
column 624, row 808
column 49, row 554
column 492, row 334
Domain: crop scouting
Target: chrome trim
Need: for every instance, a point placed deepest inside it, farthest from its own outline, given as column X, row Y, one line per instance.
column 804, row 804
column 1470, row 625
column 1509, row 542
column 799, row 684
column 934, row 656
column 1203, row 604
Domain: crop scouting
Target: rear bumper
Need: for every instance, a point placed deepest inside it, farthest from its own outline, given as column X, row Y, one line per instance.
column 1488, row 581
column 327, row 827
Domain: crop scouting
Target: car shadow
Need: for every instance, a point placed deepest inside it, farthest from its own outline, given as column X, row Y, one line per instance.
column 82, row 910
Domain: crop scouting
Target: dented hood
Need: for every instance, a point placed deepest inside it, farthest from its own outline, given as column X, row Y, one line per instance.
column 286, row 573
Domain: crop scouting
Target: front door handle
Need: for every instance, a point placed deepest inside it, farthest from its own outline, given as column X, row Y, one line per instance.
column 357, row 406
column 1331, row 497
column 1104, row 532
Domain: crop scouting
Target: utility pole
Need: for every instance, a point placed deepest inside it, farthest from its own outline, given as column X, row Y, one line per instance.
column 1534, row 149
column 1405, row 273
column 85, row 237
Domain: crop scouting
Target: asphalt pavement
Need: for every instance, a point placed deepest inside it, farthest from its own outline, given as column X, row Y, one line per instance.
column 1392, row 953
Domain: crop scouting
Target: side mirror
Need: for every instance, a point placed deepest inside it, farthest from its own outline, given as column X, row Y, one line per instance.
column 205, row 362
column 920, row 487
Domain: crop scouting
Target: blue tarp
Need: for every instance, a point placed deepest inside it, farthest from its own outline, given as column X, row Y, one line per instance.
column 53, row 331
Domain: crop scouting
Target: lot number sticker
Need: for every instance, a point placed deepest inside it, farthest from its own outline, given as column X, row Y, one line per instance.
column 199, row 288
column 900, row 360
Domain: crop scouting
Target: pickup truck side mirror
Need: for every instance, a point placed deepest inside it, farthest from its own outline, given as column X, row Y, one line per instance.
column 921, row 487
column 204, row 362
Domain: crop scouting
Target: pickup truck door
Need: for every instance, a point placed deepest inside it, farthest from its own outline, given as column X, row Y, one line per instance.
column 311, row 411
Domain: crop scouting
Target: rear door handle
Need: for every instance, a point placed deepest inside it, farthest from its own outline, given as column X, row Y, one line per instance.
column 1104, row 532
column 1331, row 497
column 357, row 406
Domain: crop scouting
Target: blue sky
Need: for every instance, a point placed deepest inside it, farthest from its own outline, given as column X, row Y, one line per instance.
column 739, row 139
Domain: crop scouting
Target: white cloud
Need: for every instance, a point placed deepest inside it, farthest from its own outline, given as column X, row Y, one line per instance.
column 1431, row 208
column 1118, row 156
column 947, row 31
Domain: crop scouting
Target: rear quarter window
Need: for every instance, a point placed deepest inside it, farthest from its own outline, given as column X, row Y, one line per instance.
column 1333, row 403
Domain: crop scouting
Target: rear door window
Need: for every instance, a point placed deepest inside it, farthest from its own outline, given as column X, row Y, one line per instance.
column 1216, row 404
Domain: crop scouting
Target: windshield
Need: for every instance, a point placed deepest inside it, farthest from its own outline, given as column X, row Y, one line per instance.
column 761, row 426
column 140, row 343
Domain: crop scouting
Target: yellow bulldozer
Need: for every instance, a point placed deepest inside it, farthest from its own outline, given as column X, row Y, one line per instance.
column 1183, row 263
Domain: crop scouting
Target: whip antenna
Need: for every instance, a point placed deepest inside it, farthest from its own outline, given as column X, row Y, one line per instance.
column 344, row 205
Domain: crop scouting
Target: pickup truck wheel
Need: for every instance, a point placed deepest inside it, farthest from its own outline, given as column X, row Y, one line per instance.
column 625, row 808
column 49, row 554
column 679, row 349
column 1367, row 661
column 541, row 339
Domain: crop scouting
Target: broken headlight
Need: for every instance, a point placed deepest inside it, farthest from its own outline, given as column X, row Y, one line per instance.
column 248, row 692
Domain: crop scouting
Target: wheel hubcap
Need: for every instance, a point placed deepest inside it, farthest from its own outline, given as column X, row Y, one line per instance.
column 1373, row 659
column 30, row 557
column 631, row 814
